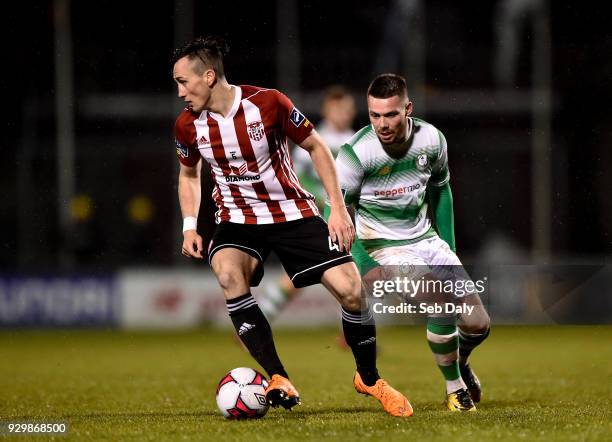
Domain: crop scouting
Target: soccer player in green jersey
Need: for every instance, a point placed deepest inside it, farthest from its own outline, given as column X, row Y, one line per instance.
column 391, row 171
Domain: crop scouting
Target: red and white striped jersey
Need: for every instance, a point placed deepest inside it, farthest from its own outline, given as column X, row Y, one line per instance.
column 248, row 156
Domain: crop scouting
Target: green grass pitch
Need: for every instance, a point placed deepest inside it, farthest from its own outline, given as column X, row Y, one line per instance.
column 540, row 383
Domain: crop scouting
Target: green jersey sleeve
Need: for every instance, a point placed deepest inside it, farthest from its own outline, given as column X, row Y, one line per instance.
column 441, row 200
column 439, row 170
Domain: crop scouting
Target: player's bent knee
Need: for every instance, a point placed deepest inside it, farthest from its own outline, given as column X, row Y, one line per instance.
column 350, row 293
column 351, row 302
column 229, row 278
column 476, row 324
column 347, row 290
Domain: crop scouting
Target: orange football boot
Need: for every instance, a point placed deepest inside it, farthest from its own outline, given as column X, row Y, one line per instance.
column 282, row 392
column 393, row 402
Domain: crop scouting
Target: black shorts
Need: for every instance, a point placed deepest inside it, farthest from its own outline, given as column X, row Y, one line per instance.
column 303, row 247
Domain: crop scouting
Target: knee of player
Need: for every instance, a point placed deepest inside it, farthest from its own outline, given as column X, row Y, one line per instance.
column 351, row 303
column 351, row 294
column 476, row 324
column 228, row 277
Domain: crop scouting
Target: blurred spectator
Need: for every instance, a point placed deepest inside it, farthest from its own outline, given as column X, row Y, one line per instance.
column 336, row 127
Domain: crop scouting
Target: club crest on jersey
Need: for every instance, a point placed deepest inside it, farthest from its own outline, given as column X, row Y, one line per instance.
column 181, row 149
column 255, row 130
column 422, row 161
column 296, row 117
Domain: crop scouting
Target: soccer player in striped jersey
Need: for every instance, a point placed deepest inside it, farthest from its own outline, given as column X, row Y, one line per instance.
column 391, row 170
column 241, row 133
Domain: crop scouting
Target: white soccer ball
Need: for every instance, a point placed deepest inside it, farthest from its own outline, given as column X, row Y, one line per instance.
column 241, row 394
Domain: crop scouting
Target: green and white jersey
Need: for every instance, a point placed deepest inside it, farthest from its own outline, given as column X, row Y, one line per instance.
column 389, row 193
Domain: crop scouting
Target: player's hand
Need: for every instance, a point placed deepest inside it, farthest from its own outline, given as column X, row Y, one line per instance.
column 341, row 229
column 192, row 244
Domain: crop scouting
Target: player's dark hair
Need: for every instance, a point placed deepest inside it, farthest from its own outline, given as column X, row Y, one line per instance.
column 208, row 52
column 388, row 85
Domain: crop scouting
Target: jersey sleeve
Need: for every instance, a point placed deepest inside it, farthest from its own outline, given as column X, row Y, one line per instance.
column 302, row 161
column 293, row 122
column 439, row 170
column 350, row 174
column 185, row 141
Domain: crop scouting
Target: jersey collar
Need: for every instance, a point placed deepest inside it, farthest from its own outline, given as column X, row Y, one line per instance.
column 233, row 110
column 409, row 129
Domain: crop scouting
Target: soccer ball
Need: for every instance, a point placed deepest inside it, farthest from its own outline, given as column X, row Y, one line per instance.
column 241, row 394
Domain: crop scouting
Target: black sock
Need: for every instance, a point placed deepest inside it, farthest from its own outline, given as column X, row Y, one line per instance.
column 360, row 335
column 468, row 342
column 254, row 331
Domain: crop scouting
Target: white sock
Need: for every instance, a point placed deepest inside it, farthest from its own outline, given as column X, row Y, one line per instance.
column 454, row 385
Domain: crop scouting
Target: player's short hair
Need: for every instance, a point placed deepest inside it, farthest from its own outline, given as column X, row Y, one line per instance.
column 336, row 92
column 388, row 85
column 207, row 52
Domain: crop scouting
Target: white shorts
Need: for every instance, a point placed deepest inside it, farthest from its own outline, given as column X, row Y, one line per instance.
column 428, row 252
column 428, row 256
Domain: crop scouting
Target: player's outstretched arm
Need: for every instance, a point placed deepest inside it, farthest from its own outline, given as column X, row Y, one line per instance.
column 341, row 229
column 189, row 193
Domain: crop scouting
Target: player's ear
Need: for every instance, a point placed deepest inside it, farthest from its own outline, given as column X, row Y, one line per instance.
column 210, row 76
column 409, row 108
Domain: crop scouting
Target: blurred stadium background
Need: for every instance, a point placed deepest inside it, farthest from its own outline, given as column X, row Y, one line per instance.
column 90, row 221
column 91, row 229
